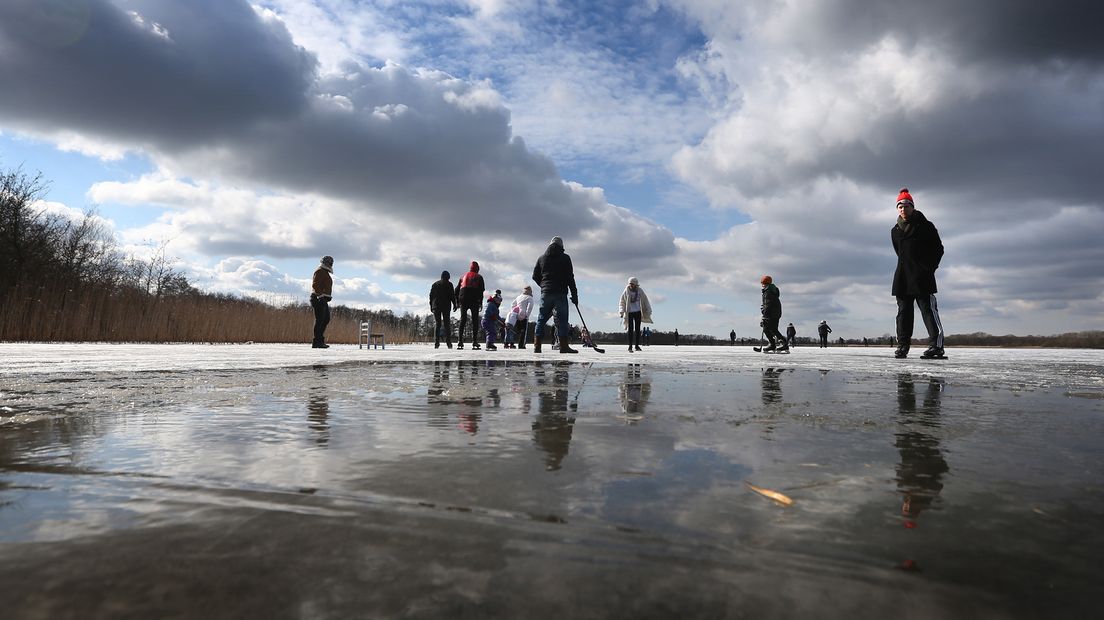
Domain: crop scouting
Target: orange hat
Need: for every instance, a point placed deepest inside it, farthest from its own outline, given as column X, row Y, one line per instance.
column 904, row 196
column 766, row 280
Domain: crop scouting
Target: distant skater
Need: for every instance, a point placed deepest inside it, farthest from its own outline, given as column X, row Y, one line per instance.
column 732, row 338
column 772, row 314
column 634, row 309
column 469, row 297
column 919, row 250
column 321, row 294
column 442, row 301
column 824, row 330
column 791, row 335
column 556, row 277
column 676, row 336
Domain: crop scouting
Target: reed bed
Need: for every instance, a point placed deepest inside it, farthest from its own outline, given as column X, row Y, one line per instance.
column 54, row 314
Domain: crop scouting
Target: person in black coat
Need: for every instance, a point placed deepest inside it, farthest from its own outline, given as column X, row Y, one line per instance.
column 772, row 314
column 442, row 301
column 556, row 277
column 823, row 330
column 919, row 250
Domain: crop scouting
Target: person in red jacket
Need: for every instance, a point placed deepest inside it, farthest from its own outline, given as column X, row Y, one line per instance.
column 469, row 297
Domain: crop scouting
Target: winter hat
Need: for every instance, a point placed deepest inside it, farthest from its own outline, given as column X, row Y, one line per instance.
column 766, row 280
column 633, row 280
column 445, row 275
column 556, row 241
column 904, row 196
column 527, row 289
column 474, row 267
column 327, row 261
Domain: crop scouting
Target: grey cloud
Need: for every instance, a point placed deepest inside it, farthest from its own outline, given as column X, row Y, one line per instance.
column 227, row 92
column 87, row 65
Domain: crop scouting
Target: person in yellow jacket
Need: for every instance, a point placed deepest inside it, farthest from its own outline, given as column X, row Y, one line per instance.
column 321, row 293
column 635, row 309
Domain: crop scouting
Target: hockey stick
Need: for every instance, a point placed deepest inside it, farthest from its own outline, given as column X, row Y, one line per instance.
column 595, row 347
column 762, row 337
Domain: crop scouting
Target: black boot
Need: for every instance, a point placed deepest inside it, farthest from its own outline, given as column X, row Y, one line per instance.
column 537, row 344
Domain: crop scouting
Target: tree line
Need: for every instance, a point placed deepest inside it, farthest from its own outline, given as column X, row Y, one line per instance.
column 65, row 278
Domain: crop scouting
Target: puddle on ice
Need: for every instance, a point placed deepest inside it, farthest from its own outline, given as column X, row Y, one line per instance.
column 547, row 489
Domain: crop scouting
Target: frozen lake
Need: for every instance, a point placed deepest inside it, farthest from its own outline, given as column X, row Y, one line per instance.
column 282, row 481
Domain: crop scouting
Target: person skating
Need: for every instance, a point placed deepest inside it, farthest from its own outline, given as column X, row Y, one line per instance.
column 676, row 336
column 524, row 304
column 321, row 294
column 732, row 338
column 634, row 309
column 492, row 319
column 919, row 251
column 791, row 335
column 772, row 314
column 556, row 277
column 469, row 298
column 442, row 301
column 823, row 330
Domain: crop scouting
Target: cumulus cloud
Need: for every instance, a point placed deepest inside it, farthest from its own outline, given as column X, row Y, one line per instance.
column 989, row 111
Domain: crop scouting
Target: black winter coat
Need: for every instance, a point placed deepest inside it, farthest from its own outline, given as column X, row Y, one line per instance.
column 919, row 251
column 554, row 272
column 441, row 296
column 772, row 306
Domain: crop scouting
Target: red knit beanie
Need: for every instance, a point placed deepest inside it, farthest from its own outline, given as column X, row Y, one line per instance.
column 904, row 196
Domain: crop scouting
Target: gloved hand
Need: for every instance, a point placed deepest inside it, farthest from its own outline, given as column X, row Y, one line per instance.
column 575, row 300
column 762, row 322
column 622, row 314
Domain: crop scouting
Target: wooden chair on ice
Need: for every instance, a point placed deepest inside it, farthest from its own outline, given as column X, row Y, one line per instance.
column 367, row 339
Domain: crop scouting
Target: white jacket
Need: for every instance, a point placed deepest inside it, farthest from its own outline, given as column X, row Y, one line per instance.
column 645, row 307
column 525, row 306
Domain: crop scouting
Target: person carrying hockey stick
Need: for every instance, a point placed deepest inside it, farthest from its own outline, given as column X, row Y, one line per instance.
column 772, row 314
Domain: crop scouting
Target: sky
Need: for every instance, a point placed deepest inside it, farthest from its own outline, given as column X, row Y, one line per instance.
column 694, row 144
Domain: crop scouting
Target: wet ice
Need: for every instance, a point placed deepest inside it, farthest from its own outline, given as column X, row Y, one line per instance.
column 432, row 484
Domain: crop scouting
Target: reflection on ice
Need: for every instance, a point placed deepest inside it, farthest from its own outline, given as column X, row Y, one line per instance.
column 487, row 487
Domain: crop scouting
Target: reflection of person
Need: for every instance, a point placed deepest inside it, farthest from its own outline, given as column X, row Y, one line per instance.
column 634, row 391
column 635, row 309
column 469, row 298
column 791, row 335
column 556, row 277
column 318, row 411
column 442, row 301
column 321, row 293
column 922, row 466
column 919, row 250
column 772, row 387
column 772, row 314
column 524, row 304
column 823, row 330
column 553, row 427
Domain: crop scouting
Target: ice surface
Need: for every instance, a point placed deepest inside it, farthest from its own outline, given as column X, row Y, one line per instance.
column 1077, row 369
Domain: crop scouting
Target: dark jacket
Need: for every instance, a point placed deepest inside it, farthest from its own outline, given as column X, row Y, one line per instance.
column 554, row 272
column 442, row 296
column 469, row 292
column 919, row 251
column 791, row 331
column 823, row 329
column 772, row 306
column 322, row 284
